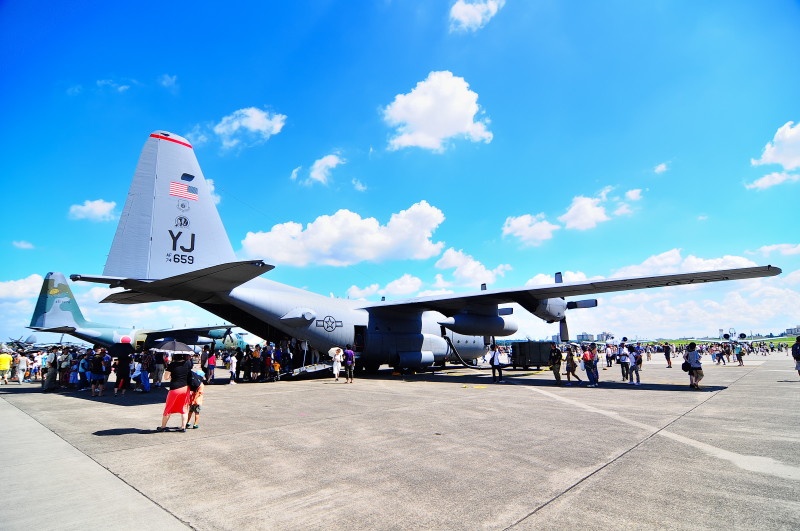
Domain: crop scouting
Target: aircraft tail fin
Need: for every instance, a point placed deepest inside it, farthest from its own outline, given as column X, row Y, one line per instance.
column 56, row 308
column 170, row 224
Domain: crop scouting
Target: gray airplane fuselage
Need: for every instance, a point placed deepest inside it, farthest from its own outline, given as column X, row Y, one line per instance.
column 382, row 336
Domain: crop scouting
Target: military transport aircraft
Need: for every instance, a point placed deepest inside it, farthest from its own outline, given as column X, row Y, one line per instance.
column 170, row 244
column 57, row 311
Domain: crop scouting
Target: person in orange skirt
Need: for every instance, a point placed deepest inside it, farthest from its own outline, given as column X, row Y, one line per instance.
column 179, row 393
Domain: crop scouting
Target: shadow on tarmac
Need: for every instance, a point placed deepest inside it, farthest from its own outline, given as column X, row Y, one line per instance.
column 123, row 431
column 517, row 378
column 157, row 395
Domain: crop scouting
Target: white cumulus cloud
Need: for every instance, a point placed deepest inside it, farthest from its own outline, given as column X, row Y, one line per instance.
column 354, row 292
column 784, row 148
column 212, row 191
column 623, row 210
column 792, row 279
column 112, row 85
column 21, row 289
column 661, row 168
column 22, row 244
column 584, row 213
column 359, row 186
column 345, row 238
column 471, row 15
column 97, row 210
column 772, row 179
column 672, row 262
column 404, row 285
column 168, row 81
column 784, row 249
column 249, row 126
column 321, row 169
column 439, row 108
column 531, row 230
column 197, row 136
column 567, row 276
column 468, row 271
column 633, row 195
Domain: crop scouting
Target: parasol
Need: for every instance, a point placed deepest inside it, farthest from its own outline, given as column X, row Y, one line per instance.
column 173, row 347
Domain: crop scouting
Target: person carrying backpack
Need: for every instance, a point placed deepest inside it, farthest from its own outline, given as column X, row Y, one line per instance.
column 147, row 364
column 195, row 401
column 98, row 381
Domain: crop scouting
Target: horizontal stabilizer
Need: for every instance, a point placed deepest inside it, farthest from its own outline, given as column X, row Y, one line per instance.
column 55, row 330
column 200, row 286
column 133, row 297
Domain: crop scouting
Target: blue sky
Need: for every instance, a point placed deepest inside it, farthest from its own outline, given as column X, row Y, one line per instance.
column 396, row 148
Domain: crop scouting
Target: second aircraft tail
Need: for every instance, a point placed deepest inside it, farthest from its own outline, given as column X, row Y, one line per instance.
column 56, row 308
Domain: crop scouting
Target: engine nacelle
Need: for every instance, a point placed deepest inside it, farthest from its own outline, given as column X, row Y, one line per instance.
column 550, row 310
column 419, row 350
column 480, row 325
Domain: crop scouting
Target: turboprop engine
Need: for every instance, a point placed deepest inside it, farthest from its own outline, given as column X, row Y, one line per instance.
column 480, row 325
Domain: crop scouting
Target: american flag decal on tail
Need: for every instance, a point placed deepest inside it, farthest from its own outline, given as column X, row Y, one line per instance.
column 183, row 190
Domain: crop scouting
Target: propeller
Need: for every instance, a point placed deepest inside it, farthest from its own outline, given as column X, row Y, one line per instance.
column 563, row 330
column 571, row 305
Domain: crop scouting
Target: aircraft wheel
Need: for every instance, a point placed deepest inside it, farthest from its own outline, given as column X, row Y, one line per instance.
column 370, row 368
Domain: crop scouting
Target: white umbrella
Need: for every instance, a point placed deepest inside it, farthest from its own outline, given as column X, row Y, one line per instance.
column 333, row 351
column 173, row 347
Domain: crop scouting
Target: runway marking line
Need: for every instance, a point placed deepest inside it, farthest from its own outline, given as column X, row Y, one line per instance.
column 753, row 463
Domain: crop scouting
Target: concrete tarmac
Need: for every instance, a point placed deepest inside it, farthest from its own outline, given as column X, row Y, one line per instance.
column 449, row 450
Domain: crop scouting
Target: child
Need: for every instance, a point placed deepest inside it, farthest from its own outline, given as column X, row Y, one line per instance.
column 195, row 405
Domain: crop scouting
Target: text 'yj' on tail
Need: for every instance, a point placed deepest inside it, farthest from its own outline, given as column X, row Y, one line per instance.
column 56, row 306
column 170, row 224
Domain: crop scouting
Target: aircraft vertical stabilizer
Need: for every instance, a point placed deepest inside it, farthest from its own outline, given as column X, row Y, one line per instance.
column 169, row 224
column 56, row 306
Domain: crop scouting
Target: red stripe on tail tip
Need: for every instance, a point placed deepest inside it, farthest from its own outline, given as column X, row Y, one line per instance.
column 171, row 140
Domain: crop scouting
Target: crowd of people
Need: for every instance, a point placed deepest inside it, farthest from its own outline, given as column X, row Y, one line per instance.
column 630, row 358
column 72, row 368
column 89, row 370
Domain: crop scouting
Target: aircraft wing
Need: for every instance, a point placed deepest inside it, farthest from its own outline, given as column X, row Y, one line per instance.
column 529, row 297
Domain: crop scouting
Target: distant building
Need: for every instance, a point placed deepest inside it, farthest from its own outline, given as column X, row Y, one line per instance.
column 585, row 337
column 604, row 336
column 793, row 331
column 556, row 338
